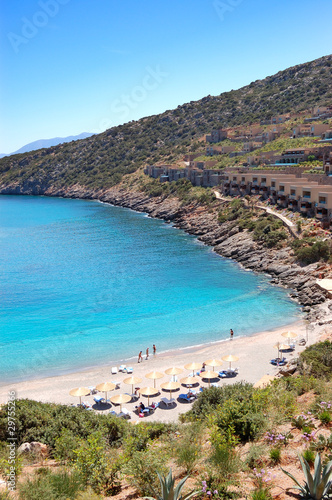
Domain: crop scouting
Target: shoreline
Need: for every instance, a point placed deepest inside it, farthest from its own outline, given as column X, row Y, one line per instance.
column 132, row 361
column 254, row 354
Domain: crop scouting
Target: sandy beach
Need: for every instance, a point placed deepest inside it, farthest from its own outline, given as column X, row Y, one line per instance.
column 254, row 352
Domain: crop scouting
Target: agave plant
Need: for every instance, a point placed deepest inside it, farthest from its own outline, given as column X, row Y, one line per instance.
column 318, row 486
column 167, row 489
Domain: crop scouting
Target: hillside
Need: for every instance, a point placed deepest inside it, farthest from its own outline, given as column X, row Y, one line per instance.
column 101, row 161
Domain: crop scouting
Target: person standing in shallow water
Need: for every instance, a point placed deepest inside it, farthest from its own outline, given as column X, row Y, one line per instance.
column 154, row 349
column 140, row 357
column 147, row 353
column 231, row 334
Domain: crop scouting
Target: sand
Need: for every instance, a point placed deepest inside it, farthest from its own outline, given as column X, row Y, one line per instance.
column 254, row 352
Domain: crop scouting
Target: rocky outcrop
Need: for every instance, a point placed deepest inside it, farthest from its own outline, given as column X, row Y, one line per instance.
column 201, row 221
column 34, row 447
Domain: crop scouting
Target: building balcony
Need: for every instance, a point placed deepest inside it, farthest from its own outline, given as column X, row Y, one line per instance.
column 321, row 203
column 281, row 192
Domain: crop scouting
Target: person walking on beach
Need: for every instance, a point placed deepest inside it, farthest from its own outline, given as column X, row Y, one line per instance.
column 231, row 334
column 154, row 349
column 147, row 353
column 140, row 357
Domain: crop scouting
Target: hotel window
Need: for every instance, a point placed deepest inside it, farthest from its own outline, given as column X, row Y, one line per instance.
column 281, row 188
column 306, row 194
column 292, row 191
column 273, row 184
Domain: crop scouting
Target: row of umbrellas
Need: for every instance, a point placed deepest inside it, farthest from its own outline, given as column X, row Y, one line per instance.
column 151, row 391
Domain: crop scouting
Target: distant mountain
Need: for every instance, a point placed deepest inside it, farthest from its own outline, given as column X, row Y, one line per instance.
column 47, row 143
column 101, row 161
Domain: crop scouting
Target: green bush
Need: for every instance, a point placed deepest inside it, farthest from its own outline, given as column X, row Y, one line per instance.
column 142, row 468
column 187, row 449
column 93, row 465
column 238, row 407
column 310, row 252
column 309, row 456
column 50, row 485
column 45, row 422
column 316, row 360
column 256, row 456
column 275, row 455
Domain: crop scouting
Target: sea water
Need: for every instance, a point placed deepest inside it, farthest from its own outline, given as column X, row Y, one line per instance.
column 84, row 284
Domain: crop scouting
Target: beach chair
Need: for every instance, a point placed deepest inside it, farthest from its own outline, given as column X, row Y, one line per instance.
column 174, row 378
column 168, row 402
column 86, row 405
column 92, row 389
column 125, row 413
column 114, row 370
column 130, row 369
column 222, row 374
column 122, row 368
column 99, row 399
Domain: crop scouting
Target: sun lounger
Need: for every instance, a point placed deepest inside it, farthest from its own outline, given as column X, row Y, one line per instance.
column 215, row 384
column 86, row 405
column 124, row 413
column 93, row 390
column 114, row 370
column 168, row 402
column 122, row 368
column 174, row 378
column 278, row 361
column 130, row 369
column 187, row 398
column 99, row 399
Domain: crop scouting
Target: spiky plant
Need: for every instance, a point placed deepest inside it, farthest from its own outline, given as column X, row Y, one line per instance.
column 318, row 486
column 167, row 489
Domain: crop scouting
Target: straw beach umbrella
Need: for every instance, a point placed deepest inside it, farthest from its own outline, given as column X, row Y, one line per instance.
column 170, row 386
column 190, row 380
column 173, row 371
column 105, row 387
column 208, row 375
column 154, row 375
column 120, row 399
column 213, row 363
column 289, row 335
column 148, row 391
column 79, row 392
column 193, row 366
column 131, row 381
column 230, row 358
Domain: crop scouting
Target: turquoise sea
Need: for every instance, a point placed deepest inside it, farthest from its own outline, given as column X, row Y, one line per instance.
column 84, row 284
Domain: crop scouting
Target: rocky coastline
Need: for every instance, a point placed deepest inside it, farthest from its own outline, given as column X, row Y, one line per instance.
column 226, row 240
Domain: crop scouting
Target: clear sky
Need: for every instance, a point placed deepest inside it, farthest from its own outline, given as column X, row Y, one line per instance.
column 72, row 66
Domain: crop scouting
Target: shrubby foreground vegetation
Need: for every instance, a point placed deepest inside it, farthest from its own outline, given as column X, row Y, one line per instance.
column 230, row 443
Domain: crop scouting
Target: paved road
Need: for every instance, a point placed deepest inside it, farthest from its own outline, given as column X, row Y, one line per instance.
column 291, row 226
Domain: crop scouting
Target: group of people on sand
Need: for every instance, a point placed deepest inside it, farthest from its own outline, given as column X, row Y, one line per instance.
column 154, row 349
column 140, row 355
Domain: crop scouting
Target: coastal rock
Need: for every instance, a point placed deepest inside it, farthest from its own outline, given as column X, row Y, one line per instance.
column 34, row 447
column 201, row 221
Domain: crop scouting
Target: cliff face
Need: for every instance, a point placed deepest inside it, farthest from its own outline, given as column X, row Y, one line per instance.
column 202, row 222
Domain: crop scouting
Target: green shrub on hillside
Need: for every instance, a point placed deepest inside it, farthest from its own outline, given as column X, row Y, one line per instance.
column 48, row 485
column 316, row 360
column 236, row 408
column 45, row 422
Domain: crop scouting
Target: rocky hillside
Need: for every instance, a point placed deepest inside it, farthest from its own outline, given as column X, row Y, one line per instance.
column 101, row 161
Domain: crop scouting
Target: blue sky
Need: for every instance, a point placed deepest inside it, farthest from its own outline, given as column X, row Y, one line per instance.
column 72, row 66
